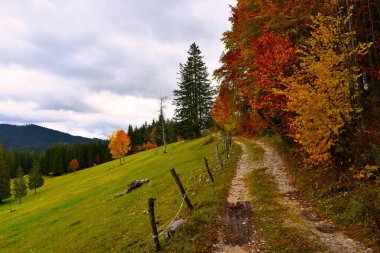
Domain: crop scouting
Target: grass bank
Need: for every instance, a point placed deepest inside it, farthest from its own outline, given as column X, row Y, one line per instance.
column 78, row 212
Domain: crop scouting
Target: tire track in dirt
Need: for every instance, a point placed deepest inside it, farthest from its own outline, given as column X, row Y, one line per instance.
column 322, row 229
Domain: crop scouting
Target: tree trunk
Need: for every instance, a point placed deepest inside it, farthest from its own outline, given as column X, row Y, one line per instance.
column 35, row 191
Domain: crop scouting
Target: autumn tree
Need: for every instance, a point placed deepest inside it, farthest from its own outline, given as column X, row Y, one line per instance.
column 4, row 175
column 259, row 52
column 19, row 185
column 193, row 98
column 153, row 134
column 97, row 159
column 74, row 165
column 119, row 144
column 272, row 60
column 323, row 90
column 35, row 177
column 149, row 145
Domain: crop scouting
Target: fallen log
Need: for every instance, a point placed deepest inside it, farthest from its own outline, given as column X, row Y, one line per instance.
column 132, row 186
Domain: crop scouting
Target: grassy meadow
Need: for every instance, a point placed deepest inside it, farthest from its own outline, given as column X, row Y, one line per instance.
column 79, row 213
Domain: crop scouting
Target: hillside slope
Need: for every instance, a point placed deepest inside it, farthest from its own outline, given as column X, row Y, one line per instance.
column 33, row 137
column 78, row 212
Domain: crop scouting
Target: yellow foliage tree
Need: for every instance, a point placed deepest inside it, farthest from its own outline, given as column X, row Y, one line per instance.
column 322, row 92
column 119, row 144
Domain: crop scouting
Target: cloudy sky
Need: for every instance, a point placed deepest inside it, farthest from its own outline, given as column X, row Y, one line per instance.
column 88, row 67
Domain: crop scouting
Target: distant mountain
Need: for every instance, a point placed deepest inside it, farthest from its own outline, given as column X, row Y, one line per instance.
column 33, row 137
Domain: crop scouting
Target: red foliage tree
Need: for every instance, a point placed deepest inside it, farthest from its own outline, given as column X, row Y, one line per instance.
column 74, row 165
column 97, row 159
column 273, row 58
column 149, row 145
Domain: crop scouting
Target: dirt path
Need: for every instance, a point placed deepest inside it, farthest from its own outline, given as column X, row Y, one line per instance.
column 322, row 229
column 239, row 235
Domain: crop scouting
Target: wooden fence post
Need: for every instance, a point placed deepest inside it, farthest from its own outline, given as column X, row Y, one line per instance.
column 208, row 170
column 218, row 155
column 227, row 148
column 153, row 224
column 180, row 186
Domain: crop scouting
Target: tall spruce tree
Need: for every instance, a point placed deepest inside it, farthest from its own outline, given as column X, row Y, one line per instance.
column 5, row 177
column 19, row 185
column 35, row 177
column 193, row 99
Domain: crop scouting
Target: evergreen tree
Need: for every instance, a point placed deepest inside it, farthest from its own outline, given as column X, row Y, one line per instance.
column 35, row 177
column 193, row 99
column 4, row 175
column 19, row 186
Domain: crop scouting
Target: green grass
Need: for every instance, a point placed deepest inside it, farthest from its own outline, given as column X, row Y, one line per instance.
column 270, row 215
column 78, row 212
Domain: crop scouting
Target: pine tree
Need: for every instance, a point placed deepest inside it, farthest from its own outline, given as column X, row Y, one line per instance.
column 35, row 177
column 4, row 175
column 19, row 187
column 194, row 97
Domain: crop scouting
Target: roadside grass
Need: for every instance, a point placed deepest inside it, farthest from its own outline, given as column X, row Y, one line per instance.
column 270, row 217
column 352, row 204
column 78, row 212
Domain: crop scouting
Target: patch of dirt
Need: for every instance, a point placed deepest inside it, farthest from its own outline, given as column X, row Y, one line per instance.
column 238, row 234
column 311, row 216
column 237, row 223
column 306, row 218
column 326, row 228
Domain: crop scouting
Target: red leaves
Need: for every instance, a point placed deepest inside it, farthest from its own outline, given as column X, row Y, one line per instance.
column 74, row 165
column 274, row 56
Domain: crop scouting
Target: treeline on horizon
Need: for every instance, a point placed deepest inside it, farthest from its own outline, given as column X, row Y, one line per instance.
column 55, row 160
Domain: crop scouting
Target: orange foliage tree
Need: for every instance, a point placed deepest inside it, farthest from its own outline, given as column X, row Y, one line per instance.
column 97, row 159
column 74, row 165
column 149, row 145
column 153, row 134
column 119, row 144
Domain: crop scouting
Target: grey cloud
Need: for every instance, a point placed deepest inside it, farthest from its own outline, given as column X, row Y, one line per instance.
column 126, row 47
column 66, row 104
